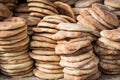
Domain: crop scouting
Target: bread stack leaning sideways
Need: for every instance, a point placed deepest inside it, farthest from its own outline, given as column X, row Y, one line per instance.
column 108, row 49
column 41, row 8
column 114, row 6
column 98, row 17
column 21, row 10
column 43, row 47
column 82, row 4
column 14, row 56
column 11, row 4
column 76, row 52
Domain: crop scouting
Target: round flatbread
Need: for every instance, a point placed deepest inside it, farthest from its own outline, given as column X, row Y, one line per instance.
column 70, row 48
column 44, row 57
column 64, row 9
column 44, row 75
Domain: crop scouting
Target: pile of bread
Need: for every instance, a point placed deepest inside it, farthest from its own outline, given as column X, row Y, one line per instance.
column 62, row 39
column 14, row 56
column 76, row 52
column 108, row 49
column 98, row 17
column 43, row 47
column 41, row 8
column 114, row 6
column 83, row 4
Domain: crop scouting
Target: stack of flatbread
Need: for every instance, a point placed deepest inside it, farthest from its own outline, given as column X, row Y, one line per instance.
column 41, row 8
column 98, row 17
column 82, row 4
column 11, row 4
column 114, row 6
column 76, row 51
column 21, row 10
column 4, row 12
column 43, row 47
column 108, row 49
column 14, row 56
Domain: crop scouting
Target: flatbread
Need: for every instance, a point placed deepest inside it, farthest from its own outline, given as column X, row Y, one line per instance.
column 38, row 44
column 48, row 71
column 113, row 44
column 43, row 39
column 43, row 75
column 70, row 48
column 5, row 34
column 67, row 34
column 78, row 72
column 105, row 52
column 75, row 64
column 12, row 23
column 45, row 58
column 77, row 27
column 41, row 52
column 64, row 9
column 102, row 11
column 47, row 30
column 49, row 66
column 42, row 5
column 111, row 34
column 78, row 58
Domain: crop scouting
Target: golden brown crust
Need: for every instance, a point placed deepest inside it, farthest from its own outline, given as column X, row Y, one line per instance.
column 92, row 20
column 44, row 75
column 104, row 51
column 105, row 14
column 64, row 9
column 111, row 34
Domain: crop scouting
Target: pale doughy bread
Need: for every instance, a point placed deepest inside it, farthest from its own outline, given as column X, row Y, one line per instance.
column 75, row 64
column 75, row 40
column 77, row 27
column 87, row 16
column 17, row 66
column 42, row 44
column 110, row 43
column 47, row 30
column 78, row 72
column 112, row 3
column 111, row 34
column 77, row 58
column 41, row 52
column 44, row 75
column 70, row 48
column 105, row 14
column 49, row 66
column 43, row 39
column 5, row 34
column 45, row 58
column 57, row 71
column 67, row 34
column 85, row 3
